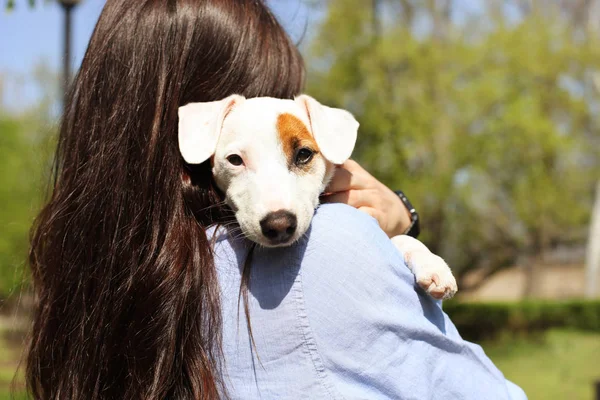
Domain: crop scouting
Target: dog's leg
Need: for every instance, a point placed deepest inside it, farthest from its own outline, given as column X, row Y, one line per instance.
column 431, row 271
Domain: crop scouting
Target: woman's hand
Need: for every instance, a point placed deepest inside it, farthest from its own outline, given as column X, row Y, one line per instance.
column 354, row 186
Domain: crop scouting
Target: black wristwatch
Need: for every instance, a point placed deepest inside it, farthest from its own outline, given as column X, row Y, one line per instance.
column 414, row 229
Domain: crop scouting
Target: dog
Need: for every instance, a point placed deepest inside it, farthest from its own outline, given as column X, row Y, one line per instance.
column 273, row 158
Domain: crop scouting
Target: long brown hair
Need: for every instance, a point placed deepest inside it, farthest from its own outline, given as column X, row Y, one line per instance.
column 128, row 300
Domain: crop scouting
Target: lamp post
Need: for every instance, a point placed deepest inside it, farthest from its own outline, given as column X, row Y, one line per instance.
column 67, row 6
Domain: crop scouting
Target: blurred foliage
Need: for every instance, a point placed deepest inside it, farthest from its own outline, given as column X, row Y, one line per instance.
column 488, row 119
column 20, row 174
column 485, row 321
column 11, row 4
column 26, row 144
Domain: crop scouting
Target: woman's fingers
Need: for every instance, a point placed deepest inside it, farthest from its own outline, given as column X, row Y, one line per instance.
column 354, row 186
column 354, row 198
column 342, row 181
column 347, row 176
column 371, row 211
column 353, row 166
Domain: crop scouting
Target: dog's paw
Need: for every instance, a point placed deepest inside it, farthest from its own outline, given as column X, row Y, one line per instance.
column 432, row 274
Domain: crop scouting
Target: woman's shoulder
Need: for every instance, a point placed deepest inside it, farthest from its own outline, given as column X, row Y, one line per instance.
column 348, row 241
column 347, row 231
column 351, row 260
column 344, row 217
column 338, row 313
column 377, row 333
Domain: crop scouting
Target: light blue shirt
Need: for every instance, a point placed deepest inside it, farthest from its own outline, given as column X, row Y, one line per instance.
column 338, row 316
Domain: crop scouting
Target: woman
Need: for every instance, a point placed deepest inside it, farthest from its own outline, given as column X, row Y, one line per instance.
column 134, row 299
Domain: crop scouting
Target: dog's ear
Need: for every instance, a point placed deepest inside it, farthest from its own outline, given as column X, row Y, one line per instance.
column 200, row 126
column 334, row 129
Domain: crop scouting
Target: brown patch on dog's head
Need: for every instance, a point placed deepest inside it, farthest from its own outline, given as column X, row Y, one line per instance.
column 294, row 135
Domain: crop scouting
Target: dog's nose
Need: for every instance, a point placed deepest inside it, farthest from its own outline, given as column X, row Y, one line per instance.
column 279, row 226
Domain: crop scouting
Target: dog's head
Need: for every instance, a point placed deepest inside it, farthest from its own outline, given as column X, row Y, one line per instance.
column 272, row 158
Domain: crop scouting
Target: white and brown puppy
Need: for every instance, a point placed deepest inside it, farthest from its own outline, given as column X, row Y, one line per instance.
column 273, row 158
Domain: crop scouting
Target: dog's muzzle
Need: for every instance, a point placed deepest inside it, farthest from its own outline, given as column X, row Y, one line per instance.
column 279, row 226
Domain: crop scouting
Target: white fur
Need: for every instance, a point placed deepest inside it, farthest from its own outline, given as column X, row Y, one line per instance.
column 199, row 127
column 265, row 183
column 335, row 130
column 431, row 271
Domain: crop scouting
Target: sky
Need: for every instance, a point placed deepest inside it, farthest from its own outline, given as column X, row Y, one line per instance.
column 29, row 37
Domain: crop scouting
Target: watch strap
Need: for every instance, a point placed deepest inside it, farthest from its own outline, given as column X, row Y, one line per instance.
column 414, row 228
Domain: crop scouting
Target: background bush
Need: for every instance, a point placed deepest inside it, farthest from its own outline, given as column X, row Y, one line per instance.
column 484, row 321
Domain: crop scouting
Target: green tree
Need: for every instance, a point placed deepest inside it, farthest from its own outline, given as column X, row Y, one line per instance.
column 488, row 122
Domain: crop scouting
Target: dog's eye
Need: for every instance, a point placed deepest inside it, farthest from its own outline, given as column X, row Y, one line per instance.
column 303, row 156
column 236, row 160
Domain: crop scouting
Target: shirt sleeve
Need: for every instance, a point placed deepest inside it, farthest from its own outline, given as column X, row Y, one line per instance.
column 378, row 334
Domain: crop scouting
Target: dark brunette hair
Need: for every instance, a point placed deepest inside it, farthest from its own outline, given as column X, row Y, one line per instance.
column 128, row 301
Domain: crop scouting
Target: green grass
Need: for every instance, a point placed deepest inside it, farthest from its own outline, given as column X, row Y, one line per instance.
column 561, row 364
